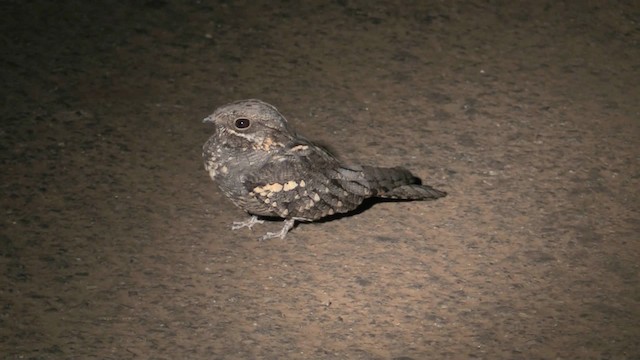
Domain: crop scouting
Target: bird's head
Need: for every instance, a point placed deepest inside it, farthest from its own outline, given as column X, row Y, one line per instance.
column 250, row 122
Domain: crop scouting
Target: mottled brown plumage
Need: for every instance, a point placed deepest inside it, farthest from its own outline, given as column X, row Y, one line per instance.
column 264, row 168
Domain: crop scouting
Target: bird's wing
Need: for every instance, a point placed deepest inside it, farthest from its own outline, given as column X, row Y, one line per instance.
column 305, row 182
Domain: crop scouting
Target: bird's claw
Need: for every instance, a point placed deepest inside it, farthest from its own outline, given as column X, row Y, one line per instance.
column 247, row 223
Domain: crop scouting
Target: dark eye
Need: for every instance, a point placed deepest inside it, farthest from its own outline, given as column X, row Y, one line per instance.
column 242, row 123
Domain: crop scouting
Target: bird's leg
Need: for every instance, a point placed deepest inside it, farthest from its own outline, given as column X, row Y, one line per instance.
column 288, row 224
column 247, row 223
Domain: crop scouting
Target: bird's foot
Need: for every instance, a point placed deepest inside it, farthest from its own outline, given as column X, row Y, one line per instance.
column 288, row 224
column 247, row 223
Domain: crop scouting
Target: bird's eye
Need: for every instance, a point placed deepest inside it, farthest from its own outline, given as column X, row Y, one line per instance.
column 242, row 123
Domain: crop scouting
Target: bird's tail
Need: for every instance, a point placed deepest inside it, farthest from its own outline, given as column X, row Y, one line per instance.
column 398, row 183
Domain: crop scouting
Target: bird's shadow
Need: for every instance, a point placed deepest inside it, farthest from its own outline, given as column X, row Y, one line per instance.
column 364, row 206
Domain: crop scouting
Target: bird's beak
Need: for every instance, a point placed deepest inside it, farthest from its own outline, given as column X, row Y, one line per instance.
column 208, row 119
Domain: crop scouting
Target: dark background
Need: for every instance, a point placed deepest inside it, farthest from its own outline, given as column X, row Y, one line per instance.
column 115, row 244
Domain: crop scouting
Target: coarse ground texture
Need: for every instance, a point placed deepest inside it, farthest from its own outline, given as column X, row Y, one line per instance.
column 115, row 244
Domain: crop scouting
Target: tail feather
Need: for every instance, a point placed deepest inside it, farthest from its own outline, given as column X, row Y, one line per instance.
column 414, row 192
column 398, row 183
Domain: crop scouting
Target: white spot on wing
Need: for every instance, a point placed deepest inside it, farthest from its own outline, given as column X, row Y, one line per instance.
column 290, row 185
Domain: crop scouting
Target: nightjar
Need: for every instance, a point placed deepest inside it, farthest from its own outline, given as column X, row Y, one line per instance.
column 268, row 170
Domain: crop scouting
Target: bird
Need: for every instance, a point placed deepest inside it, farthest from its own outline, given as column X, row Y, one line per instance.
column 266, row 169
